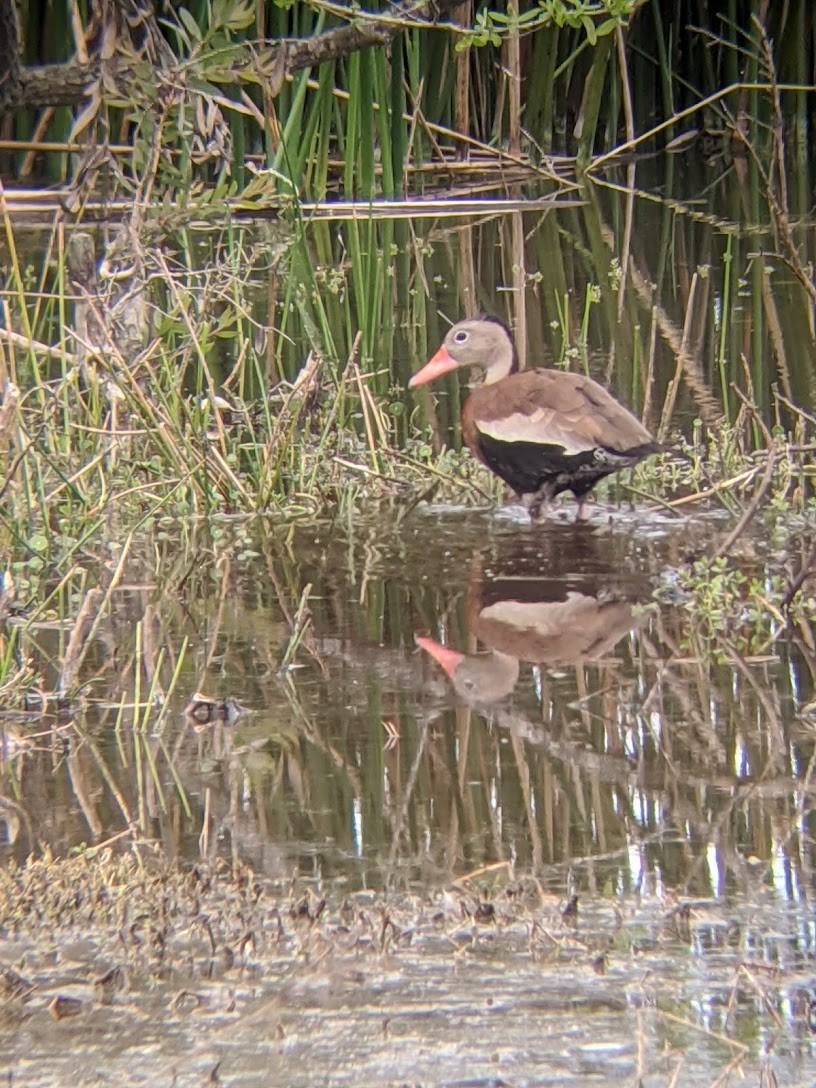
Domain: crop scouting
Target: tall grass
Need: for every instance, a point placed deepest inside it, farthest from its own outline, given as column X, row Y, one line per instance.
column 318, row 128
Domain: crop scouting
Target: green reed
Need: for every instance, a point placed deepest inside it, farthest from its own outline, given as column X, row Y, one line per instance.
column 386, row 98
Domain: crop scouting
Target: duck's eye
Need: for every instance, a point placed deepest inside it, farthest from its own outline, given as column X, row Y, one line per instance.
column 460, row 337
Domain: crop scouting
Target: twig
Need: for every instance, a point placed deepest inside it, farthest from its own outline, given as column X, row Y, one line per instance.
column 805, row 572
column 750, row 511
column 38, row 348
column 709, row 100
column 671, row 397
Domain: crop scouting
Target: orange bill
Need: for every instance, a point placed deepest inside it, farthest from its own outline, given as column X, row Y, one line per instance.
column 450, row 660
column 441, row 363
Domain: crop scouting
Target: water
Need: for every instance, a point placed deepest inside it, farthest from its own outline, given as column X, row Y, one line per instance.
column 669, row 793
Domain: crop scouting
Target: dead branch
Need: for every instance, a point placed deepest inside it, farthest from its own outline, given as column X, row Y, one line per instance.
column 71, row 84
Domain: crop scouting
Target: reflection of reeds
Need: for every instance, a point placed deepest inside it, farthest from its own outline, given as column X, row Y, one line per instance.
column 654, row 743
column 301, row 622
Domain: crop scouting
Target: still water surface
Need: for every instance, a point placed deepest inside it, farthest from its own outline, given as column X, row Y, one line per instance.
column 579, row 741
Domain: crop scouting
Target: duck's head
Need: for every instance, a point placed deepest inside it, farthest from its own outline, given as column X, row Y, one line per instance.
column 477, row 678
column 482, row 342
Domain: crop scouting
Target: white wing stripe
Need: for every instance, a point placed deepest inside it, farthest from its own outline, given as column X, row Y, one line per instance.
column 539, row 427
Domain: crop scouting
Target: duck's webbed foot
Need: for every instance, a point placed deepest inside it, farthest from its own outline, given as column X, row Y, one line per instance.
column 581, row 512
column 538, row 501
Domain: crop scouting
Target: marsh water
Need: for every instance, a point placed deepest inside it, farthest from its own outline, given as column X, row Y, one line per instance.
column 617, row 767
column 586, row 855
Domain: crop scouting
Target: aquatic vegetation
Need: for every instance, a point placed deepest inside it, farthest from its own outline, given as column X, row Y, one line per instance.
column 729, row 610
column 291, row 87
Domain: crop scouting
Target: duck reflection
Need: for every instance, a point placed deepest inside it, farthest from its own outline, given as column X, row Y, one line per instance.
column 542, row 621
column 478, row 678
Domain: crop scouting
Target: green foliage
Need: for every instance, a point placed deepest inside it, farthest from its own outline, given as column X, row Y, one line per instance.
column 596, row 18
column 224, row 19
column 732, row 607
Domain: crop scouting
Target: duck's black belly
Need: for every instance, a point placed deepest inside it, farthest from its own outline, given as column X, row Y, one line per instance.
column 529, row 466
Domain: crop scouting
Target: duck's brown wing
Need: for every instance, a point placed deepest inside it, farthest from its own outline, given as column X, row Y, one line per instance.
column 552, row 408
column 578, row 628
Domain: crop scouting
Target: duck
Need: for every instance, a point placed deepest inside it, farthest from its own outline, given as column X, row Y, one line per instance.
column 544, row 621
column 542, row 431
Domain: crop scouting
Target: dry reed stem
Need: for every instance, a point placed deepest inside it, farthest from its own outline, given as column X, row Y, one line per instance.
column 468, row 295
column 476, row 874
column 650, row 372
column 775, row 330
column 674, row 384
column 88, row 612
column 703, row 103
column 626, row 250
column 204, row 836
column 7, row 596
column 519, row 280
column 375, row 208
column 8, row 407
column 512, row 77
column 626, row 89
column 446, row 476
column 463, row 15
column 750, row 511
column 778, row 196
column 91, row 851
column 689, row 209
column 66, row 147
column 374, row 474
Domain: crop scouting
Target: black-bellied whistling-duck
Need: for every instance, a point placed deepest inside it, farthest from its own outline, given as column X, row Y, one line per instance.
column 541, row 431
column 538, row 621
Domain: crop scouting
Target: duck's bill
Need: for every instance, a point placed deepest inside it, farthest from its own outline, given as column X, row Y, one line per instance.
column 441, row 364
column 448, row 659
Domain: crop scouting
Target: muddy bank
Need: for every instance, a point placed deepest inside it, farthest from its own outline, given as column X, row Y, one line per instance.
column 122, row 968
